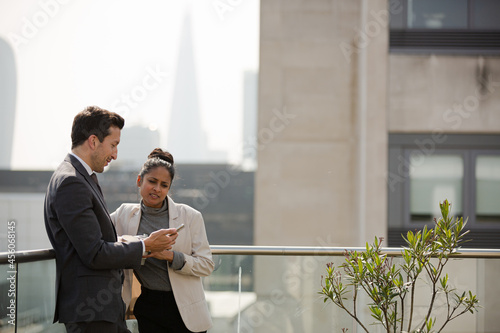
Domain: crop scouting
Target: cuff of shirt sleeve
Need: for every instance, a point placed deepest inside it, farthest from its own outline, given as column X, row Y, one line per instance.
column 144, row 253
column 179, row 261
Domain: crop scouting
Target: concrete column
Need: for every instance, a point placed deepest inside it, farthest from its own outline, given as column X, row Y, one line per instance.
column 322, row 130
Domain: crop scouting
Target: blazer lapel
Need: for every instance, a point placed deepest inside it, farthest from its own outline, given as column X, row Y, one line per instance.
column 81, row 169
column 173, row 222
column 133, row 226
column 173, row 214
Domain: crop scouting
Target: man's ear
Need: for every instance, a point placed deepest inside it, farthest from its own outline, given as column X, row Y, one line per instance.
column 92, row 141
column 139, row 181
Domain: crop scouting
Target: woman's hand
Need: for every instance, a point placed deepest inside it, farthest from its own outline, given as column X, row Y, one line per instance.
column 163, row 255
column 160, row 240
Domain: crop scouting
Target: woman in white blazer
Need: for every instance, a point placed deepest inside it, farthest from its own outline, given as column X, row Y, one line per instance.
column 172, row 297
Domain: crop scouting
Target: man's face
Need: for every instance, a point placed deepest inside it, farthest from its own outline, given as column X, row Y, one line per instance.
column 106, row 151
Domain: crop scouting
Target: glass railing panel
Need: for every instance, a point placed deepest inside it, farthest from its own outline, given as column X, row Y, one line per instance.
column 36, row 297
column 488, row 292
column 270, row 293
column 8, row 298
column 280, row 294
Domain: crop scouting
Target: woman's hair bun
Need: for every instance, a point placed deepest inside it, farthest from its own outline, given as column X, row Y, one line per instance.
column 162, row 155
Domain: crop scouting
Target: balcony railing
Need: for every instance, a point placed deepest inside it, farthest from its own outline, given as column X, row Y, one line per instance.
column 256, row 289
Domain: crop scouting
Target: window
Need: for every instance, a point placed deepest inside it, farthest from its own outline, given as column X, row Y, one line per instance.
column 445, row 26
column 433, row 179
column 487, row 209
column 432, row 14
column 427, row 169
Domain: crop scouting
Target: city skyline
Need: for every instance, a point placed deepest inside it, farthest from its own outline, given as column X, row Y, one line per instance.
column 8, row 90
column 187, row 139
column 87, row 54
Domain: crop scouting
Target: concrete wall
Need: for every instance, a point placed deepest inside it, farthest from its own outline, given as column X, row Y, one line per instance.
column 453, row 94
column 322, row 123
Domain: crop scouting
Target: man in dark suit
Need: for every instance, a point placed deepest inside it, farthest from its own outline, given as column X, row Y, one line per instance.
column 89, row 259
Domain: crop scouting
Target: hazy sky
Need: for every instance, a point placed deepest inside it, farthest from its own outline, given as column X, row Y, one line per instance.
column 74, row 53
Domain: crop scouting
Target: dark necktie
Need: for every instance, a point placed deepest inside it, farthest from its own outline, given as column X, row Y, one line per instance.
column 94, row 178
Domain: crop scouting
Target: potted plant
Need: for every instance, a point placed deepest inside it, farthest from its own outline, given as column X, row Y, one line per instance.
column 391, row 287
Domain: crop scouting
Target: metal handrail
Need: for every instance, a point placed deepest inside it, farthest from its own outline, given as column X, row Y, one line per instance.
column 27, row 256
column 47, row 254
column 333, row 251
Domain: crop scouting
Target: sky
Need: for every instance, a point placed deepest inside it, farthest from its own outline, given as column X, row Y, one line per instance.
column 122, row 55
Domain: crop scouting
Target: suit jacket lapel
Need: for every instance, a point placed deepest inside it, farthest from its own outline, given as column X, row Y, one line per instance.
column 81, row 169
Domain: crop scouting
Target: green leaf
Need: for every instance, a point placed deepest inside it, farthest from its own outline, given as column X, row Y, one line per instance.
column 429, row 325
column 444, row 281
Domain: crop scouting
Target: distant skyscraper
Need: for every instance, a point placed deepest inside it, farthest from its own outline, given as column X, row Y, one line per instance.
column 186, row 139
column 249, row 161
column 8, row 84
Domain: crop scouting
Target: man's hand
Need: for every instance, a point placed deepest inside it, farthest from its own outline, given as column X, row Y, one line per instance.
column 160, row 240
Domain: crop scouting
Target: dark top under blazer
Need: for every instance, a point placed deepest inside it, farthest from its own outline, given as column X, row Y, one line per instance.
column 88, row 258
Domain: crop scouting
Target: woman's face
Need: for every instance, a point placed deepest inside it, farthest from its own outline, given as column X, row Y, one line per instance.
column 154, row 186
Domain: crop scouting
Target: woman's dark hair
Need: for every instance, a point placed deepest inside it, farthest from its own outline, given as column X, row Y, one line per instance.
column 157, row 158
column 93, row 121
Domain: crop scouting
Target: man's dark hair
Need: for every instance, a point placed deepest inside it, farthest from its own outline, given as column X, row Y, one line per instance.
column 93, row 121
